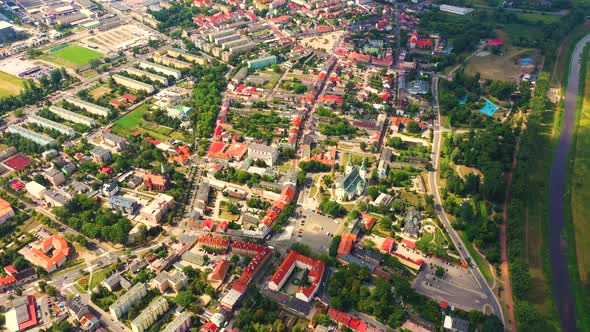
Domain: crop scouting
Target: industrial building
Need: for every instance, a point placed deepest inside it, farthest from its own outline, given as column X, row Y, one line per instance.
column 147, row 317
column 161, row 69
column 455, row 10
column 36, row 137
column 125, row 301
column 133, row 84
column 46, row 123
column 152, row 77
column 89, row 107
column 262, row 62
column 72, row 116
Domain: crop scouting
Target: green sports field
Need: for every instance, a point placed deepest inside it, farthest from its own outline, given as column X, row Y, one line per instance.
column 133, row 121
column 9, row 85
column 75, row 55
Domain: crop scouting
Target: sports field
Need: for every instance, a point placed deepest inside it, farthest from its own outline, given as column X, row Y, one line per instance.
column 74, row 56
column 134, row 121
column 9, row 85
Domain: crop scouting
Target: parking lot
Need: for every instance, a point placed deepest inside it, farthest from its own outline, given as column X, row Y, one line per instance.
column 316, row 231
column 457, row 285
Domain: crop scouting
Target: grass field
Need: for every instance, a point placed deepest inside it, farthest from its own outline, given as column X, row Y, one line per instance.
column 134, row 121
column 9, row 85
column 73, row 56
column 580, row 183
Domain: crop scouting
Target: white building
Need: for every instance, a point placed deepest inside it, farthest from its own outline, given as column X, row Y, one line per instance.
column 72, row 116
column 35, row 189
column 263, row 152
column 88, row 107
column 456, row 10
column 46, row 123
column 125, row 301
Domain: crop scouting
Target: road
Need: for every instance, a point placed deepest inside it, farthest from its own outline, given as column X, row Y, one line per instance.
column 560, row 277
column 492, row 300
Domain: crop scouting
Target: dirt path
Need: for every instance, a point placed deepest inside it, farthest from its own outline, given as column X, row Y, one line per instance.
column 503, row 244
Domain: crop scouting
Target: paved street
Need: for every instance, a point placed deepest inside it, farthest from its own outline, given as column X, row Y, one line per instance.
column 491, row 300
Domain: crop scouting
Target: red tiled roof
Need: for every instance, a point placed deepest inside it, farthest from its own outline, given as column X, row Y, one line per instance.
column 387, row 245
column 369, row 220
column 346, row 243
column 220, row 269
column 409, row 243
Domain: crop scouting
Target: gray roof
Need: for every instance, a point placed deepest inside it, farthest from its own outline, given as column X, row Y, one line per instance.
column 262, row 148
column 121, row 201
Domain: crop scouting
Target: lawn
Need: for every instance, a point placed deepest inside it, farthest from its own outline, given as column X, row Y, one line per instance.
column 133, row 121
column 97, row 277
column 9, row 85
column 480, row 261
column 74, row 56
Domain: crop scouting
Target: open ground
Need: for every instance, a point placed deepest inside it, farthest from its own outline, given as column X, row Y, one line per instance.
column 134, row 121
column 498, row 67
column 10, row 85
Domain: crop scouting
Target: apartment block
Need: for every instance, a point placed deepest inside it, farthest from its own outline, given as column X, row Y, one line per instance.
column 241, row 49
column 89, row 107
column 161, row 69
column 176, row 52
column 147, row 317
column 72, row 117
column 169, row 61
column 36, row 137
column 124, row 302
column 218, row 34
column 233, row 43
column 141, row 73
column 133, row 84
column 181, row 323
column 46, row 123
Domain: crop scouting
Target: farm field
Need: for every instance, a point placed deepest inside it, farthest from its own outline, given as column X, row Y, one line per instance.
column 10, row 85
column 133, row 121
column 73, row 56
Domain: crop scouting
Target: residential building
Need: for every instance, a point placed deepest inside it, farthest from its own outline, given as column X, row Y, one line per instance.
column 243, row 48
column 262, row 62
column 352, row 323
column 181, row 323
column 157, row 209
column 88, row 107
column 155, row 182
column 100, row 154
column 46, row 123
column 151, row 76
column 122, row 204
column 383, row 199
column 202, row 198
column 176, row 53
column 113, row 142
column 76, row 308
column 169, row 61
column 148, row 316
column 14, row 278
column 35, row 189
column 72, row 116
column 55, row 198
column 453, row 324
column 133, row 84
column 296, row 260
column 165, row 280
column 218, row 243
column 38, row 252
column 109, row 189
column 54, row 176
column 125, row 301
column 23, row 314
column 115, row 282
column 161, row 69
column 220, row 270
column 89, row 322
column 6, row 211
column 263, row 152
column 36, row 137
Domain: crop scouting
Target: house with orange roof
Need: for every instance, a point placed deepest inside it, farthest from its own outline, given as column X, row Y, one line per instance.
column 346, row 243
column 220, row 270
column 6, row 211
